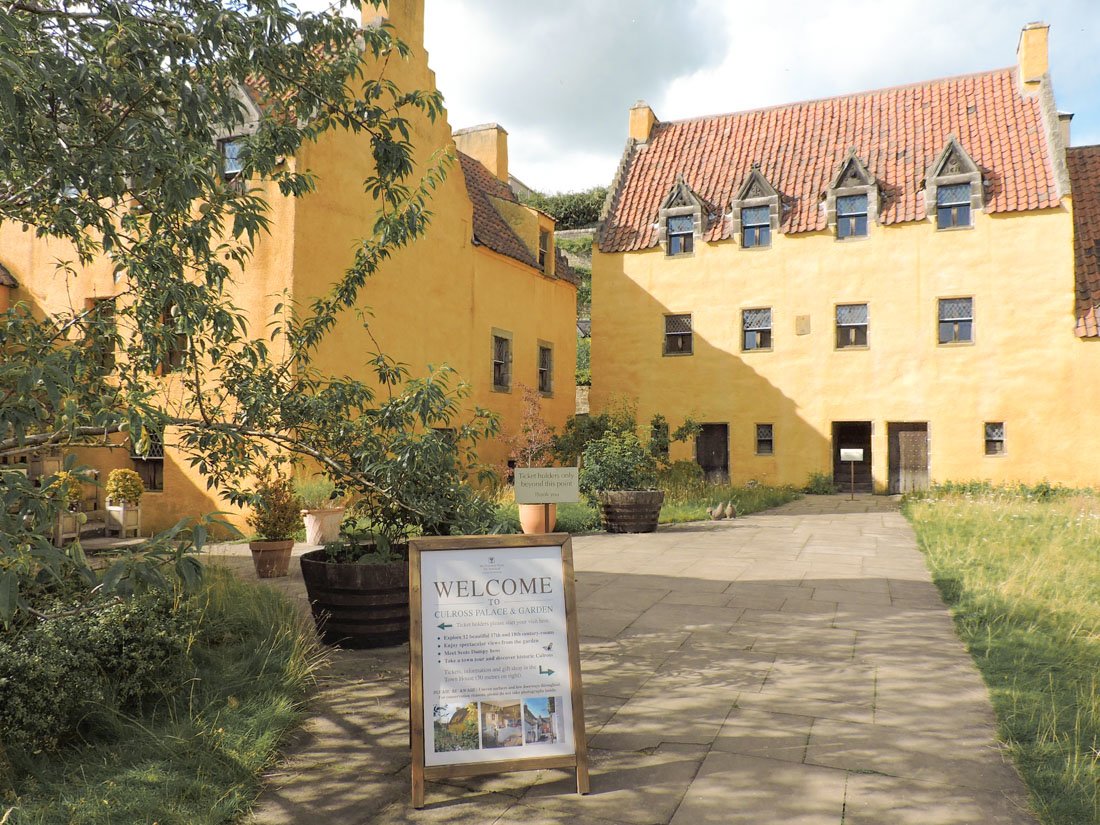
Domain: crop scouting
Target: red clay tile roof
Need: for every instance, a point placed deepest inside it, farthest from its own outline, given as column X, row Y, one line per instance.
column 490, row 228
column 1084, row 176
column 6, row 278
column 897, row 132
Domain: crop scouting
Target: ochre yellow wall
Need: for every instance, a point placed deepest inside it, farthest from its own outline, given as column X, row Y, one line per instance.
column 1025, row 367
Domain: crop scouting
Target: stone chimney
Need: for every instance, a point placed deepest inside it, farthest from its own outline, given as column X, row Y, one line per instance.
column 642, row 121
column 406, row 17
column 1064, row 121
column 1032, row 54
column 487, row 144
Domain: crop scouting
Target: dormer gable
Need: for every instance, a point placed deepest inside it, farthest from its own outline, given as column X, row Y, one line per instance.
column 680, row 206
column 756, row 195
column 953, row 182
column 853, row 187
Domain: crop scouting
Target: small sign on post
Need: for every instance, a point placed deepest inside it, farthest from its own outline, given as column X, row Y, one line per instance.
column 494, row 672
column 546, row 486
column 851, row 456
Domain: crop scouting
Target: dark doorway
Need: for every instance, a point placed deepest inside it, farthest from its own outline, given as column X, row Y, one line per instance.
column 908, row 456
column 712, row 451
column 852, row 435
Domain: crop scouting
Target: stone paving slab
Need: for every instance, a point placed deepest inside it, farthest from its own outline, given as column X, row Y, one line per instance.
column 795, row 666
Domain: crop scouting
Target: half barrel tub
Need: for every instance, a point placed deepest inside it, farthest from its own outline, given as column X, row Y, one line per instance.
column 358, row 605
column 630, row 511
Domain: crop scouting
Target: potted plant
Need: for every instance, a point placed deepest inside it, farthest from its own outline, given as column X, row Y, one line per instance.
column 531, row 447
column 322, row 509
column 276, row 517
column 124, row 491
column 68, row 487
column 619, row 475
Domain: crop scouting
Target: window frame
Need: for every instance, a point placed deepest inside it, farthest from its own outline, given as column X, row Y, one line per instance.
column 939, row 322
column 745, row 330
column 544, row 249
column 953, row 167
column 150, row 466
column 668, row 336
column 223, row 157
column 837, row 326
column 547, row 347
column 769, row 440
column 686, row 238
column 106, row 307
column 760, row 233
column 991, row 440
column 843, row 220
column 953, row 207
column 509, row 358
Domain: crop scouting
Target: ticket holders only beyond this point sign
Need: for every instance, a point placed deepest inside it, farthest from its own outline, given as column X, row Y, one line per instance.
column 495, row 676
column 547, row 485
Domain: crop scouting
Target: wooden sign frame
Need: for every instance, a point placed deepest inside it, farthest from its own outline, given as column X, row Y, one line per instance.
column 421, row 771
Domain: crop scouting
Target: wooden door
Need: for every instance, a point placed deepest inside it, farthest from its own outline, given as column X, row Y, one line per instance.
column 712, row 451
column 908, row 457
column 852, row 435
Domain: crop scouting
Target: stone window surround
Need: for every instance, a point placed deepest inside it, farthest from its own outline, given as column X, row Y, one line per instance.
column 501, row 333
column 764, row 194
column 969, row 174
column 680, row 192
column 540, row 346
column 761, row 441
column 665, row 334
column 973, row 323
column 868, row 187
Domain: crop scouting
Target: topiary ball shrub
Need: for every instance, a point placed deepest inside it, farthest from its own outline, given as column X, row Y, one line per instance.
column 124, row 486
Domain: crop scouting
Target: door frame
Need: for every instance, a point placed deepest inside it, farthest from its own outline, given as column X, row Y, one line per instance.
column 893, row 427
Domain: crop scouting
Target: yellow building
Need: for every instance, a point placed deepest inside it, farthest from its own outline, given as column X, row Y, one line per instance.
column 890, row 271
column 483, row 290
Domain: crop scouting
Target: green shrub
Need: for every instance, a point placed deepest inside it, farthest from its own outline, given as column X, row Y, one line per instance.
column 820, row 484
column 315, row 492
column 276, row 511
column 570, row 210
column 580, row 430
column 617, row 461
column 124, row 486
column 681, row 478
column 584, row 361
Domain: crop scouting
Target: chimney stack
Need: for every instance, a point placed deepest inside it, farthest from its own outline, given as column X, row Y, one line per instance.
column 487, row 144
column 642, row 121
column 1032, row 54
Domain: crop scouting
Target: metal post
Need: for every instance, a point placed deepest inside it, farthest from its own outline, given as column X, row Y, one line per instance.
column 852, row 465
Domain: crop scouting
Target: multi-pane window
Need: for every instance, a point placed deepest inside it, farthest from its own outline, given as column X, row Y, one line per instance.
column 765, row 439
column 851, row 216
column 546, row 369
column 502, row 362
column 230, row 150
column 756, row 226
column 851, row 325
column 681, row 234
column 953, row 206
column 544, row 248
column 148, row 458
column 678, row 335
column 756, row 329
column 994, row 438
column 956, row 325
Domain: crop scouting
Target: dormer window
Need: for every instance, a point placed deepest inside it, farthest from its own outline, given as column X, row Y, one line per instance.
column 681, row 219
column 544, row 248
column 230, row 151
column 852, row 202
column 851, row 216
column 681, row 235
column 953, row 188
column 756, row 211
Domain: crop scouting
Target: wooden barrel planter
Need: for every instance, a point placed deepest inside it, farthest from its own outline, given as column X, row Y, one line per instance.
column 630, row 511
column 358, row 605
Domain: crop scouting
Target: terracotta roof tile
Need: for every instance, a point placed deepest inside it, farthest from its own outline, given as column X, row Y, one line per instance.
column 897, row 132
column 1084, row 176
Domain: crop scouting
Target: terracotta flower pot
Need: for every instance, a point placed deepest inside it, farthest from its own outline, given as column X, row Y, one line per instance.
column 323, row 526
column 271, row 558
column 532, row 518
column 630, row 511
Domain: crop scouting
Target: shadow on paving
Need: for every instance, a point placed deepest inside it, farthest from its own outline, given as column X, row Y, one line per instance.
column 714, row 692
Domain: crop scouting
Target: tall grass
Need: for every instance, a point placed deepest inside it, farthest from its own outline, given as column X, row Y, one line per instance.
column 198, row 756
column 1021, row 570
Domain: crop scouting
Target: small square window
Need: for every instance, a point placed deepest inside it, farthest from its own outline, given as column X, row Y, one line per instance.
column 546, row 369
column 953, row 206
column 150, row 463
column 756, row 329
column 681, row 234
column 756, row 226
column 765, row 439
column 678, row 335
column 502, row 362
column 851, row 325
column 995, row 438
column 851, row 216
column 956, row 320
column 230, row 151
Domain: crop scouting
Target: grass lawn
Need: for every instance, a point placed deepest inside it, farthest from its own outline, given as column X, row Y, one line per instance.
column 197, row 757
column 1022, row 575
column 685, row 503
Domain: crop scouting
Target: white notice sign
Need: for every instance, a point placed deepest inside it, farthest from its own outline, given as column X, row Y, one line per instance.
column 496, row 674
column 547, row 485
column 851, row 455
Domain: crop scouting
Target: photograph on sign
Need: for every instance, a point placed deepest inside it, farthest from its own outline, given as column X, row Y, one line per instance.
column 496, row 674
column 547, row 485
column 851, row 455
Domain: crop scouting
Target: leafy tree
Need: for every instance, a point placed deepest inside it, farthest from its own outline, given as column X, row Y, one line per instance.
column 571, row 210
column 110, row 112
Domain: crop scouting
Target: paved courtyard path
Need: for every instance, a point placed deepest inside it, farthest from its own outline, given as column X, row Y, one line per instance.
column 794, row 667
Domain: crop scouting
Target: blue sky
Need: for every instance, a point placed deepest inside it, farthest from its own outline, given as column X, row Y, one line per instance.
column 561, row 77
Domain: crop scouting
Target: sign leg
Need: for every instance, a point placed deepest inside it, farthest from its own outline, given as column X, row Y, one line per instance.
column 547, row 526
column 582, row 776
column 417, row 787
column 852, row 494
